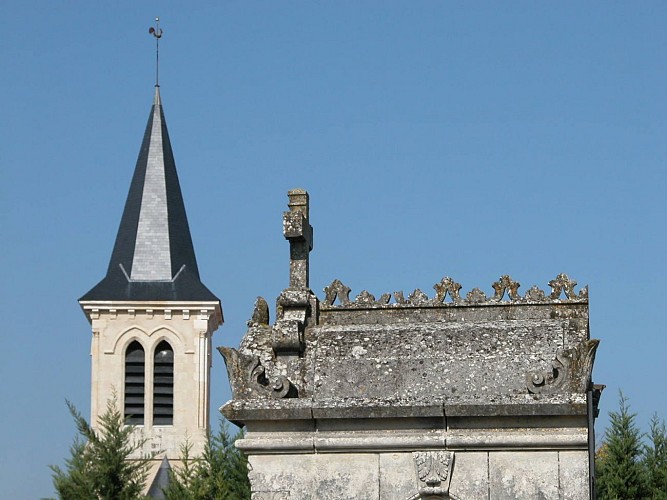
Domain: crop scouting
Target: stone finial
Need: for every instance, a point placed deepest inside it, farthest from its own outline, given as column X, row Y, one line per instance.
column 260, row 315
column 298, row 201
column 299, row 232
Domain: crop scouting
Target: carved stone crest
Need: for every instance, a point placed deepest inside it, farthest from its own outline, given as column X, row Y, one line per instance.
column 337, row 290
column 506, row 285
column 434, row 472
column 506, row 291
column 365, row 298
column 535, row 294
column 476, row 296
column 562, row 283
column 447, row 286
column 418, row 298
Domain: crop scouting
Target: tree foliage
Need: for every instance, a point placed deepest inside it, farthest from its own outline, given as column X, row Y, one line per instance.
column 627, row 468
column 655, row 458
column 220, row 473
column 98, row 465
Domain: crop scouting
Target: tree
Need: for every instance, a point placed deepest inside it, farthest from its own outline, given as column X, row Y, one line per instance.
column 220, row 473
column 98, row 466
column 620, row 471
column 655, row 459
column 183, row 480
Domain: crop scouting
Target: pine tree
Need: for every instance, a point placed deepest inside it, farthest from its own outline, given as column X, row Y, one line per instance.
column 655, row 459
column 220, row 473
column 98, row 466
column 620, row 472
column 183, row 480
column 75, row 481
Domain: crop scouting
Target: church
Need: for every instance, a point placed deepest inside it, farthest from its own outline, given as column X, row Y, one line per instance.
column 442, row 396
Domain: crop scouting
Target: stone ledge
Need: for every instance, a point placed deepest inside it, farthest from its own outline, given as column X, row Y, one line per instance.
column 515, row 410
column 276, row 445
column 547, row 439
column 387, row 441
column 239, row 411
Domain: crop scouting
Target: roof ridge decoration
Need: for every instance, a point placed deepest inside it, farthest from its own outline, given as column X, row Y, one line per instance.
column 506, row 291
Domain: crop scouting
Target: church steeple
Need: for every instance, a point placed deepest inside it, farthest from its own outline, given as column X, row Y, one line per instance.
column 152, row 319
column 153, row 257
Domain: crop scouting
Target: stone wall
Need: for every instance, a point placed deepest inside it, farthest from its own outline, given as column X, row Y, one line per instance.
column 393, row 476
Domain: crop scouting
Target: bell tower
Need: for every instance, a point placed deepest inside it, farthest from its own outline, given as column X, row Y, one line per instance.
column 152, row 318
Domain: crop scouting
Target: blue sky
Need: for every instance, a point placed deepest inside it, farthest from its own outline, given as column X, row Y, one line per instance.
column 463, row 139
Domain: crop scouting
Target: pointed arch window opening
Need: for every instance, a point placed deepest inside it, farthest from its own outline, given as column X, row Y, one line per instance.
column 135, row 383
column 163, row 384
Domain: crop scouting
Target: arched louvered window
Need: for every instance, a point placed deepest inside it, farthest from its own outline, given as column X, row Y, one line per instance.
column 163, row 385
column 135, row 362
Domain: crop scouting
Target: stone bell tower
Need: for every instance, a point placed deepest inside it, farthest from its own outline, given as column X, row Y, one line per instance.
column 151, row 316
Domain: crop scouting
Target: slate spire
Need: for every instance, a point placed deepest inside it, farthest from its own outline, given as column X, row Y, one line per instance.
column 153, row 257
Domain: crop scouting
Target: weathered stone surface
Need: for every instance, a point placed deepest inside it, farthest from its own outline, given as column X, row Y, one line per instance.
column 574, row 473
column 519, row 438
column 470, row 476
column 435, row 359
column 317, row 477
column 528, row 474
column 397, row 478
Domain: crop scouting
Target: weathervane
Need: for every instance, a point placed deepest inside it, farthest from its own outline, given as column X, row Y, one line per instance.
column 157, row 33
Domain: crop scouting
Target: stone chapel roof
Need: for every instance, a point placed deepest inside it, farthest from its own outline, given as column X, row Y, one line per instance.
column 453, row 355
column 153, row 257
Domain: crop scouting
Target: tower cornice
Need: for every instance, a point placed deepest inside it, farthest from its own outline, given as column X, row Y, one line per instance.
column 205, row 310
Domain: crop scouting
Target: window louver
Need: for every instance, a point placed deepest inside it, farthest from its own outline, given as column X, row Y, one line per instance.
column 135, row 361
column 163, row 385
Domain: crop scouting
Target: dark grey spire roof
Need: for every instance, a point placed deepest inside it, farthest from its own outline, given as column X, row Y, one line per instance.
column 161, row 481
column 153, row 258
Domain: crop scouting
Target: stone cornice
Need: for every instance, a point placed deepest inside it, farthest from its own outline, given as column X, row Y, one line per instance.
column 477, row 439
column 207, row 310
column 348, row 408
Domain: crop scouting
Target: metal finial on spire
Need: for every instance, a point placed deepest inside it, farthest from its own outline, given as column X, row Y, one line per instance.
column 157, row 33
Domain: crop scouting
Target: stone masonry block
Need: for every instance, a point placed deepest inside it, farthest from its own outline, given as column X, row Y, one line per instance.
column 524, row 475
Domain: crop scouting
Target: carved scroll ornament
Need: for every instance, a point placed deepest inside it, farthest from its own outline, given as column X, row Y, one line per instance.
column 249, row 378
column 570, row 371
